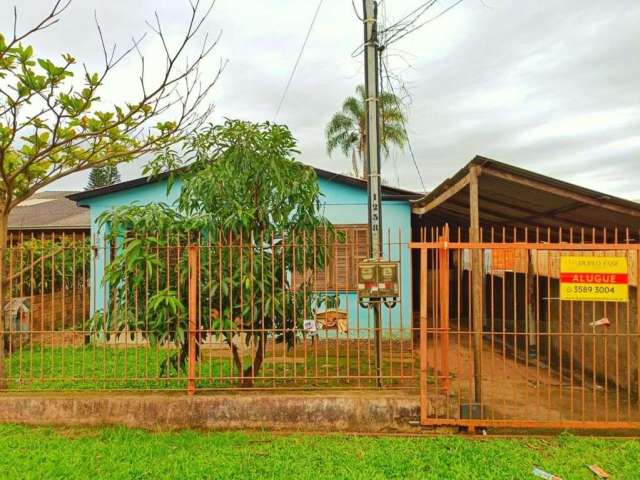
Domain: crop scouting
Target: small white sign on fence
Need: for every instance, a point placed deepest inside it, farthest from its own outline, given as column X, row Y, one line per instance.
column 310, row 326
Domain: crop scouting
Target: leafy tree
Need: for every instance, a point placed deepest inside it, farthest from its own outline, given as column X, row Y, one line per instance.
column 242, row 192
column 53, row 124
column 346, row 130
column 103, row 177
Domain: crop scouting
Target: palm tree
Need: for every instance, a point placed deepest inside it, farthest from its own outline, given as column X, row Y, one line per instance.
column 346, row 129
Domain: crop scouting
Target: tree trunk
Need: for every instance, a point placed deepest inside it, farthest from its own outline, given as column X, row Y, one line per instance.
column 365, row 170
column 247, row 375
column 251, row 372
column 4, row 226
column 354, row 164
column 237, row 362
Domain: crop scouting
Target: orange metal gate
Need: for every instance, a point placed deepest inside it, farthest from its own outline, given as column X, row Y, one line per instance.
column 500, row 348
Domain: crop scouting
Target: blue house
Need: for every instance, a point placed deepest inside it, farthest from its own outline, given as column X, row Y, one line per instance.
column 345, row 205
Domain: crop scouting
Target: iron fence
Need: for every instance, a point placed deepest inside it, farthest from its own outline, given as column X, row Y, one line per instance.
column 200, row 312
column 496, row 339
column 529, row 328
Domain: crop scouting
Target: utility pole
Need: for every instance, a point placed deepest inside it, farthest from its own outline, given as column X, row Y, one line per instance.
column 372, row 156
column 372, row 150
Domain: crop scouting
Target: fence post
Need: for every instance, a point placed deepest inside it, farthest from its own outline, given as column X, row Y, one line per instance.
column 477, row 291
column 194, row 268
column 444, row 306
column 424, row 411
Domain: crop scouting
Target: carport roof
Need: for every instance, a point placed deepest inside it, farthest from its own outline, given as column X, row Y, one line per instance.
column 513, row 196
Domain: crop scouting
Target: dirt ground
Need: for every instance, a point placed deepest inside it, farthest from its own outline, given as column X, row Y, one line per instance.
column 521, row 387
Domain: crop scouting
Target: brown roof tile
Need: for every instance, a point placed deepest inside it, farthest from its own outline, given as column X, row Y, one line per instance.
column 49, row 211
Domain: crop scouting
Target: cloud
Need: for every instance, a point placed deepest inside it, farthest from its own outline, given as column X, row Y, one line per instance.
column 548, row 86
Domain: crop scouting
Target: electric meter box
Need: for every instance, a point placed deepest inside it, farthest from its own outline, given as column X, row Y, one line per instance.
column 378, row 279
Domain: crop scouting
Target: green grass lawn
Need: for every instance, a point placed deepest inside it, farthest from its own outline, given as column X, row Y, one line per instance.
column 119, row 453
column 101, row 366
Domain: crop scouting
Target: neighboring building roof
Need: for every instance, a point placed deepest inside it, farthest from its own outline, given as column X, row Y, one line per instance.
column 388, row 193
column 49, row 211
column 509, row 195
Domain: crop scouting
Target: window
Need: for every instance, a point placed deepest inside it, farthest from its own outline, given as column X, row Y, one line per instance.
column 339, row 271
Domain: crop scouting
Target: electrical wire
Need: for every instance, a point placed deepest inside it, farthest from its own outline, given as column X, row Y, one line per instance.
column 406, row 31
column 389, row 35
column 402, row 122
column 295, row 66
column 400, row 25
column 355, row 10
column 417, row 12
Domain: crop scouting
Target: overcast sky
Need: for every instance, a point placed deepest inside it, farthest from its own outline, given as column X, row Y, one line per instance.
column 548, row 85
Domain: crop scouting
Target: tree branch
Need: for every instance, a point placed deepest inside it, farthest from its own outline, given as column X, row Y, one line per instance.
column 84, row 146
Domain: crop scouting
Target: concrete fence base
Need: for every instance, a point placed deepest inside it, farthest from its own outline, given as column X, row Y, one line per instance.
column 366, row 412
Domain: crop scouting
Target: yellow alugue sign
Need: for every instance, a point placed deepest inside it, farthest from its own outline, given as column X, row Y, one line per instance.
column 598, row 279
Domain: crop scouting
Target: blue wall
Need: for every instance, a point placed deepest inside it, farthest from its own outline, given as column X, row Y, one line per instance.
column 346, row 204
column 343, row 204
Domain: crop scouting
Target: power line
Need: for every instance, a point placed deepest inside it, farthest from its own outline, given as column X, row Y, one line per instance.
column 416, row 12
column 295, row 66
column 400, row 29
column 399, row 25
column 383, row 51
column 404, row 126
column 355, row 10
column 400, row 34
column 408, row 24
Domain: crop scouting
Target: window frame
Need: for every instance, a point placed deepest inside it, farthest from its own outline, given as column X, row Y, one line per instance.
column 355, row 243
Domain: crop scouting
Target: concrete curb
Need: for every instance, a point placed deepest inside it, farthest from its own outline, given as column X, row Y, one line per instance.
column 363, row 412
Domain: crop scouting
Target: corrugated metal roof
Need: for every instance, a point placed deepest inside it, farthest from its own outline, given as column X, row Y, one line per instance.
column 513, row 196
column 49, row 211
